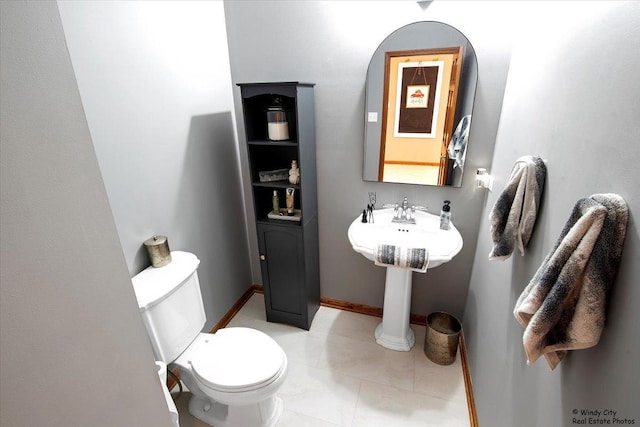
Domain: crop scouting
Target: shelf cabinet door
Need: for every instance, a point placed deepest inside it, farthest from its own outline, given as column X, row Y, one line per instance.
column 282, row 261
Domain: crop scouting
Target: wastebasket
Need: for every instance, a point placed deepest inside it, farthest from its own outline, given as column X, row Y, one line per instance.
column 441, row 338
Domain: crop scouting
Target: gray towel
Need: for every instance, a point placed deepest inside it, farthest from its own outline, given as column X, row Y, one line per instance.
column 514, row 213
column 563, row 307
column 416, row 259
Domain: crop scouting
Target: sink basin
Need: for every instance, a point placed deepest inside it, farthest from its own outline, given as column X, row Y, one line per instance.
column 394, row 331
column 443, row 245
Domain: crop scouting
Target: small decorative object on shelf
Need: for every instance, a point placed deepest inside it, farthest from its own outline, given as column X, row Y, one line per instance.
column 294, row 173
column 274, row 175
column 277, row 125
column 275, row 201
column 284, row 215
column 290, row 192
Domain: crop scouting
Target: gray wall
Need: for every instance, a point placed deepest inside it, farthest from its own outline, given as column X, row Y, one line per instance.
column 572, row 97
column 156, row 88
column 330, row 43
column 74, row 350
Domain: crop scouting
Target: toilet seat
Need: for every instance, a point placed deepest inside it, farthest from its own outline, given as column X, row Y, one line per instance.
column 237, row 360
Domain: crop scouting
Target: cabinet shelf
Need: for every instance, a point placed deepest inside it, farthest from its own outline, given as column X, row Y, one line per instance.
column 285, row 223
column 288, row 143
column 276, row 184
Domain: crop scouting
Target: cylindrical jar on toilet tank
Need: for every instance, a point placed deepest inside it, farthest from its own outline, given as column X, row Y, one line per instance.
column 158, row 250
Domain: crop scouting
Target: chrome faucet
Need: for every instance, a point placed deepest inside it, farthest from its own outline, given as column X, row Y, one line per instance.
column 403, row 213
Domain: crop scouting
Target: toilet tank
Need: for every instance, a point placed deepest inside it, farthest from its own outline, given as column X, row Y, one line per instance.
column 171, row 304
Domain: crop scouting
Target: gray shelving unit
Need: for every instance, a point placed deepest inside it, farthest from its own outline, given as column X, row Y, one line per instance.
column 288, row 249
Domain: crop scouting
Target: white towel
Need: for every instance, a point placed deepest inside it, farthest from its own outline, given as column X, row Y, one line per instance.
column 563, row 307
column 416, row 259
column 514, row 213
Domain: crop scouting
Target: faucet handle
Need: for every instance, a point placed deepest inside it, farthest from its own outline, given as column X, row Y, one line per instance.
column 412, row 212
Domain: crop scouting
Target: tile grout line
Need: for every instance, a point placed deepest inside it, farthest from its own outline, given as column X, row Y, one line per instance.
column 355, row 408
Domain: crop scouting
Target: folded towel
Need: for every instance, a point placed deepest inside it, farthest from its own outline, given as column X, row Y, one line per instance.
column 563, row 307
column 416, row 259
column 514, row 213
column 457, row 148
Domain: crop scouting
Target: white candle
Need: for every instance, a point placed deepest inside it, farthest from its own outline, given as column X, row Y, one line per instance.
column 278, row 131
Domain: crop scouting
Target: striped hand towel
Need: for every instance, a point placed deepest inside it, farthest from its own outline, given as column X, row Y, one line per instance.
column 416, row 259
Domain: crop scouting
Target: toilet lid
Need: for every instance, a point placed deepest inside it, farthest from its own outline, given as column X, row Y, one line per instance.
column 237, row 358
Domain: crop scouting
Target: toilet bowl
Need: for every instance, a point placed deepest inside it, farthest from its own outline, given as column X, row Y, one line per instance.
column 233, row 374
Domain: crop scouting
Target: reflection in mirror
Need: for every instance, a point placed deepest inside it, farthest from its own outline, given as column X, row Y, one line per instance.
column 420, row 90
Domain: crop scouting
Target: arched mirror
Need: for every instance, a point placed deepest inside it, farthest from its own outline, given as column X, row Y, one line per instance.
column 420, row 89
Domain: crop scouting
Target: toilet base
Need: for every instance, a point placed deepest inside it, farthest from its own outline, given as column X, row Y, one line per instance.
column 263, row 414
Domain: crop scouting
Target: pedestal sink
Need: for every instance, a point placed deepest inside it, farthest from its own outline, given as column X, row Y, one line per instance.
column 394, row 331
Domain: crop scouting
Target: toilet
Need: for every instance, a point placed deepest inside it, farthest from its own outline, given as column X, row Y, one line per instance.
column 234, row 374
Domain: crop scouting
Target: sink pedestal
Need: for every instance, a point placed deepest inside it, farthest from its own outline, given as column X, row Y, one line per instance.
column 394, row 332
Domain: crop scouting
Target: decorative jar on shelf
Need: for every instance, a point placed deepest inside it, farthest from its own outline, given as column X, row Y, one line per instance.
column 277, row 124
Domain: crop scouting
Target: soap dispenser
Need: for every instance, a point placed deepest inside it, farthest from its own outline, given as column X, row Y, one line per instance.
column 445, row 216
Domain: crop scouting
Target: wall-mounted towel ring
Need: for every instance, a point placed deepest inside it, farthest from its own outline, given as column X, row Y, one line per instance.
column 484, row 179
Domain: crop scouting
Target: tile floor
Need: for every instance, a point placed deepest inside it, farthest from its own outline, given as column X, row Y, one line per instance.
column 339, row 376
